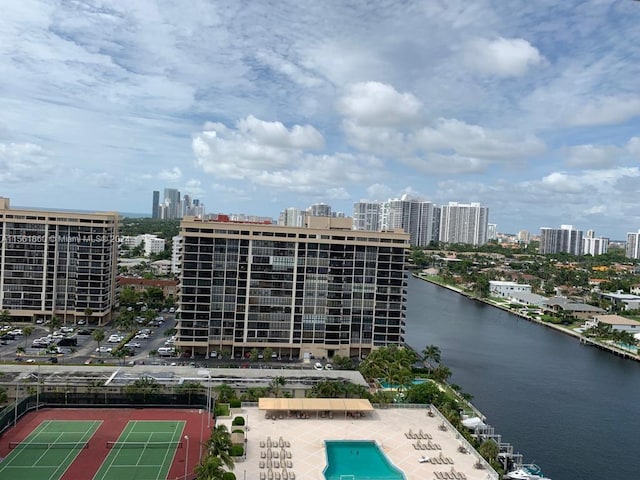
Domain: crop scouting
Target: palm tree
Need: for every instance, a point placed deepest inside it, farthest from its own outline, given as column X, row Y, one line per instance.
column 87, row 313
column 5, row 317
column 441, row 373
column 219, row 444
column 276, row 385
column 431, row 353
column 209, row 468
column 27, row 331
column 98, row 335
column 54, row 323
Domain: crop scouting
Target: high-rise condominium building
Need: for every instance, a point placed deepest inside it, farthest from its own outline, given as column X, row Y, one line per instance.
column 57, row 264
column 322, row 290
column 464, row 223
column 632, row 249
column 319, row 210
column 419, row 218
column 291, row 217
column 592, row 245
column 155, row 206
column 171, row 205
column 565, row 239
column 366, row 216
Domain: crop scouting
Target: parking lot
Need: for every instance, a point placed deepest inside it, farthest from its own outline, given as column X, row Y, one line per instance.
column 74, row 344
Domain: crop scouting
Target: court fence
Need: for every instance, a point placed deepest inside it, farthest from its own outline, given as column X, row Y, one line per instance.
column 10, row 415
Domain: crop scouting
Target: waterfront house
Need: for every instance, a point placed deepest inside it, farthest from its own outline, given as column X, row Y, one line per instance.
column 622, row 301
column 507, row 289
column 579, row 310
column 616, row 321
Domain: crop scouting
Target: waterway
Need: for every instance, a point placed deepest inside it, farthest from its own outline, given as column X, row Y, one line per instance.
column 572, row 409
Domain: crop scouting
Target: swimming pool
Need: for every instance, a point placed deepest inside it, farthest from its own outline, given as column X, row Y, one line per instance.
column 395, row 386
column 358, row 460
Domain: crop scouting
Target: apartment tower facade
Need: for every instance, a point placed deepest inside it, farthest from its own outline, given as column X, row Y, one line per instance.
column 464, row 223
column 323, row 290
column 57, row 264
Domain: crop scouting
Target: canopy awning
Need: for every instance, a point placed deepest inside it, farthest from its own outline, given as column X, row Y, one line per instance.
column 315, row 404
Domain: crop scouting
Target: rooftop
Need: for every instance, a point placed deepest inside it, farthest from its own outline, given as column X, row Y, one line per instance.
column 389, row 428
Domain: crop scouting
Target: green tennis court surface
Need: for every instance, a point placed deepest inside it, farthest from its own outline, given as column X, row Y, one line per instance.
column 48, row 451
column 144, row 450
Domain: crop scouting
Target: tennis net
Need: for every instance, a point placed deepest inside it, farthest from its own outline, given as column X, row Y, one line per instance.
column 117, row 445
column 48, row 445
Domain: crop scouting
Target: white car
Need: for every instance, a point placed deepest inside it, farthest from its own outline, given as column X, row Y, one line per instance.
column 141, row 336
column 318, row 366
column 115, row 339
column 328, row 366
column 103, row 350
column 132, row 345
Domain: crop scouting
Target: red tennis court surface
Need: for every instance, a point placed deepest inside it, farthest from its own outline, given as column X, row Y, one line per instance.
column 113, row 422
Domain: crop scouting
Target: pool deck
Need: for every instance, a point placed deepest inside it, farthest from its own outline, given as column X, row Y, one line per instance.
column 388, row 427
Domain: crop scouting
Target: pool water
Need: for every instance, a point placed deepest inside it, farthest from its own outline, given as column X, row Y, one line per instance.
column 394, row 386
column 358, row 460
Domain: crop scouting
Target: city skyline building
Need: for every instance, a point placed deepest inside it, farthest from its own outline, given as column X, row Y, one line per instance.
column 463, row 223
column 323, row 290
column 565, row 239
column 291, row 217
column 592, row 245
column 171, row 205
column 632, row 248
column 366, row 216
column 57, row 264
column 155, row 206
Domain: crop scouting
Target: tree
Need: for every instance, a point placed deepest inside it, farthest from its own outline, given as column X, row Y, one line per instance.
column 276, row 384
column 27, row 331
column 54, row 323
column 431, row 353
column 342, row 363
column 5, row 317
column 128, row 296
column 4, row 398
column 225, row 393
column 489, row 450
column 98, row 335
column 441, row 373
column 219, row 444
column 87, row 314
column 210, row 468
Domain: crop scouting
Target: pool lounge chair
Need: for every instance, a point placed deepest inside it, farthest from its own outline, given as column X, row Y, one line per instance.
column 289, row 464
column 292, row 476
column 263, row 476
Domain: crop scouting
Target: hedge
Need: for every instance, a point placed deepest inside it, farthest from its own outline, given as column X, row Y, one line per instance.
column 238, row 421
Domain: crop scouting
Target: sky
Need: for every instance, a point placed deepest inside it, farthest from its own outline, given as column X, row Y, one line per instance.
column 529, row 108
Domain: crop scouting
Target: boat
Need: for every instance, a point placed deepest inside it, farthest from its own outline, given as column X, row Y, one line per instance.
column 526, row 472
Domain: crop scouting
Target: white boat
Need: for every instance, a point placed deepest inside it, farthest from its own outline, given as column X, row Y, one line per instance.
column 527, row 472
column 473, row 422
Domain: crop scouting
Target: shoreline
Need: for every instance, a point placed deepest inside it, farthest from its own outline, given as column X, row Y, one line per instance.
column 583, row 340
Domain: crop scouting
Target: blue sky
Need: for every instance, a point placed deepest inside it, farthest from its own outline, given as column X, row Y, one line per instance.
column 530, row 108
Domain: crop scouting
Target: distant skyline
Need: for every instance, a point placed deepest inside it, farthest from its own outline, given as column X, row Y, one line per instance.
column 529, row 108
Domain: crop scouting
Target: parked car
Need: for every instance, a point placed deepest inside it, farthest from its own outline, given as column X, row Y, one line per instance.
column 328, row 366
column 318, row 366
column 103, row 349
column 132, row 345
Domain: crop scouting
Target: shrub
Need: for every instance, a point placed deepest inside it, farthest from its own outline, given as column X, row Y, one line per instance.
column 235, row 403
column 238, row 421
column 229, row 476
column 236, row 450
column 237, row 430
column 221, row 410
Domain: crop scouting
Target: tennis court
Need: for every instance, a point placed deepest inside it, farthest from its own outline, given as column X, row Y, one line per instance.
column 144, row 450
column 48, row 451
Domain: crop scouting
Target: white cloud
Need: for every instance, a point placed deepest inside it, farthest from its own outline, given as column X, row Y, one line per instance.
column 590, row 156
column 172, row 175
column 609, row 110
column 379, row 192
column 275, row 134
column 268, row 154
column 378, row 104
column 193, row 187
column 633, row 146
column 23, row 162
column 503, row 56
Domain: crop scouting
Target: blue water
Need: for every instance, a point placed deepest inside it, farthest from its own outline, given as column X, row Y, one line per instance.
column 570, row 408
column 417, row 381
column 358, row 460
